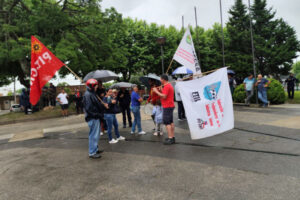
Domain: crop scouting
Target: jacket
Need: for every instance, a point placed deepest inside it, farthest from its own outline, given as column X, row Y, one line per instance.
column 93, row 108
column 125, row 99
column 112, row 108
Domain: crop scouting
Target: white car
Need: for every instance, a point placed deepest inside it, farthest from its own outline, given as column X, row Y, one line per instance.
column 15, row 108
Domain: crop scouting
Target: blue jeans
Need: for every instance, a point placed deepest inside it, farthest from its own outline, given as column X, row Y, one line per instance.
column 262, row 95
column 137, row 118
column 111, row 121
column 94, row 136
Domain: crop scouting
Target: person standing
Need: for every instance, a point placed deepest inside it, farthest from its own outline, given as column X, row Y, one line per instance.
column 181, row 111
column 24, row 101
column 249, row 88
column 78, row 101
column 232, row 83
column 262, row 85
column 93, row 113
column 167, row 101
column 45, row 96
column 52, row 95
column 124, row 101
column 158, row 112
column 291, row 82
column 135, row 108
column 110, row 117
column 64, row 103
column 153, row 97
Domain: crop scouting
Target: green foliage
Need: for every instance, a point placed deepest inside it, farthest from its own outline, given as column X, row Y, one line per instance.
column 10, row 93
column 107, row 85
column 135, row 80
column 68, row 91
column 296, row 68
column 276, row 94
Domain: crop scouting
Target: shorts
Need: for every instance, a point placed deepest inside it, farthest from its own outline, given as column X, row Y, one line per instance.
column 64, row 106
column 168, row 116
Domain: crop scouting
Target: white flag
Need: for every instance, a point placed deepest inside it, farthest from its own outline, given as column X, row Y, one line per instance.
column 186, row 54
column 208, row 104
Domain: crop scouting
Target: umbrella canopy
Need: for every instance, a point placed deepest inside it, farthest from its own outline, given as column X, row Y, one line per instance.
column 145, row 79
column 182, row 70
column 121, row 85
column 229, row 71
column 101, row 75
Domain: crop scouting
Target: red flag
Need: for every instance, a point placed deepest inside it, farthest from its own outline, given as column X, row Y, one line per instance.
column 44, row 65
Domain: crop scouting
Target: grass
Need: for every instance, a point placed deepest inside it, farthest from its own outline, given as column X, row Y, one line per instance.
column 296, row 99
column 43, row 114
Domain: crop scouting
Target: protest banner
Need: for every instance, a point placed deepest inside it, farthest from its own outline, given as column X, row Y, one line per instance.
column 186, row 54
column 44, row 65
column 208, row 104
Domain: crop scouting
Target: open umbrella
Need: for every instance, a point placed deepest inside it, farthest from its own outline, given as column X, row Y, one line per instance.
column 229, row 71
column 182, row 70
column 101, row 75
column 121, row 85
column 145, row 79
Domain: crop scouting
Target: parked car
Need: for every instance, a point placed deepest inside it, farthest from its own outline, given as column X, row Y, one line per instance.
column 15, row 108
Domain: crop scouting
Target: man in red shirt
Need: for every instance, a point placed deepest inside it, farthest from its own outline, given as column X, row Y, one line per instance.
column 167, row 102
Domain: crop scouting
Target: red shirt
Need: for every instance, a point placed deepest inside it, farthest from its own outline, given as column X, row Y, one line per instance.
column 168, row 102
column 153, row 97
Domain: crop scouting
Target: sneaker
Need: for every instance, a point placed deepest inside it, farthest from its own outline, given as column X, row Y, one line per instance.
column 142, row 133
column 121, row 138
column 95, row 156
column 169, row 141
column 174, row 140
column 113, row 141
column 179, row 119
column 183, row 119
column 132, row 132
column 99, row 151
column 155, row 134
column 101, row 133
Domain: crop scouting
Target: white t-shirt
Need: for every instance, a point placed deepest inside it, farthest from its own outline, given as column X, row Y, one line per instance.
column 177, row 93
column 63, row 98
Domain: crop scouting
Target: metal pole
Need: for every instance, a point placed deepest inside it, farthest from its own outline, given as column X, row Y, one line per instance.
column 162, row 58
column 197, row 35
column 15, row 97
column 222, row 33
column 252, row 46
column 182, row 22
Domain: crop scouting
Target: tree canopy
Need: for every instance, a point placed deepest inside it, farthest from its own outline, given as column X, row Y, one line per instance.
column 87, row 38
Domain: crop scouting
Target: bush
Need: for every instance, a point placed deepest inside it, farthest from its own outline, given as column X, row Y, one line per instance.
column 276, row 93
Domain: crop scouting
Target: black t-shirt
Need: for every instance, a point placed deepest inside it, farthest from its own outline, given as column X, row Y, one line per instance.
column 291, row 81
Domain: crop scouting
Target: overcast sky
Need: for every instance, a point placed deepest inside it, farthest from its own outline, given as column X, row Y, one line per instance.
column 169, row 12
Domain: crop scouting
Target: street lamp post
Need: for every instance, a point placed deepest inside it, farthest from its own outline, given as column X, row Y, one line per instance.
column 161, row 41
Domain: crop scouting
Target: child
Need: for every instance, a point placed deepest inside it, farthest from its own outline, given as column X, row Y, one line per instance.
column 157, row 112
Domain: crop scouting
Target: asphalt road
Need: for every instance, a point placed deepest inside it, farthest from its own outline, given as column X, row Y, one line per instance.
column 258, row 159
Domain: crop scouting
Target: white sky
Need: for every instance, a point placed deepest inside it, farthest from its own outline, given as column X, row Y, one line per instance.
column 170, row 12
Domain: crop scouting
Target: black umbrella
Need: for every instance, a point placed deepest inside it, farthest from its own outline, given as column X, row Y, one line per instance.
column 121, row 85
column 145, row 80
column 101, row 75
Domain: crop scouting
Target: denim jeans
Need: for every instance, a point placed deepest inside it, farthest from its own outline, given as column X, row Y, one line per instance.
column 137, row 118
column 262, row 95
column 111, row 121
column 249, row 95
column 94, row 136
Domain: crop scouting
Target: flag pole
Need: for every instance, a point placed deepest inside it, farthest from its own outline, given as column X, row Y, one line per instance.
column 221, row 14
column 169, row 66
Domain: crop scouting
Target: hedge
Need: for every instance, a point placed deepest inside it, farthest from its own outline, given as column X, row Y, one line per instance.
column 276, row 94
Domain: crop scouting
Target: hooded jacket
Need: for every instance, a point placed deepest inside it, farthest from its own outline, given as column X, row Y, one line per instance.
column 92, row 106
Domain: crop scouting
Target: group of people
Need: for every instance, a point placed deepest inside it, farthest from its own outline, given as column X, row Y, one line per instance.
column 101, row 107
column 262, row 85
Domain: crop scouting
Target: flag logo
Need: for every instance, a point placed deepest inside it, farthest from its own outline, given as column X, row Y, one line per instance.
column 189, row 39
column 36, row 47
column 211, row 91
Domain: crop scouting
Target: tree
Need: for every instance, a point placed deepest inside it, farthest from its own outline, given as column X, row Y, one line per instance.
column 239, row 56
column 275, row 41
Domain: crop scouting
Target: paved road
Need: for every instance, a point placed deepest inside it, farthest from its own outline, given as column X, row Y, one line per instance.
column 258, row 159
